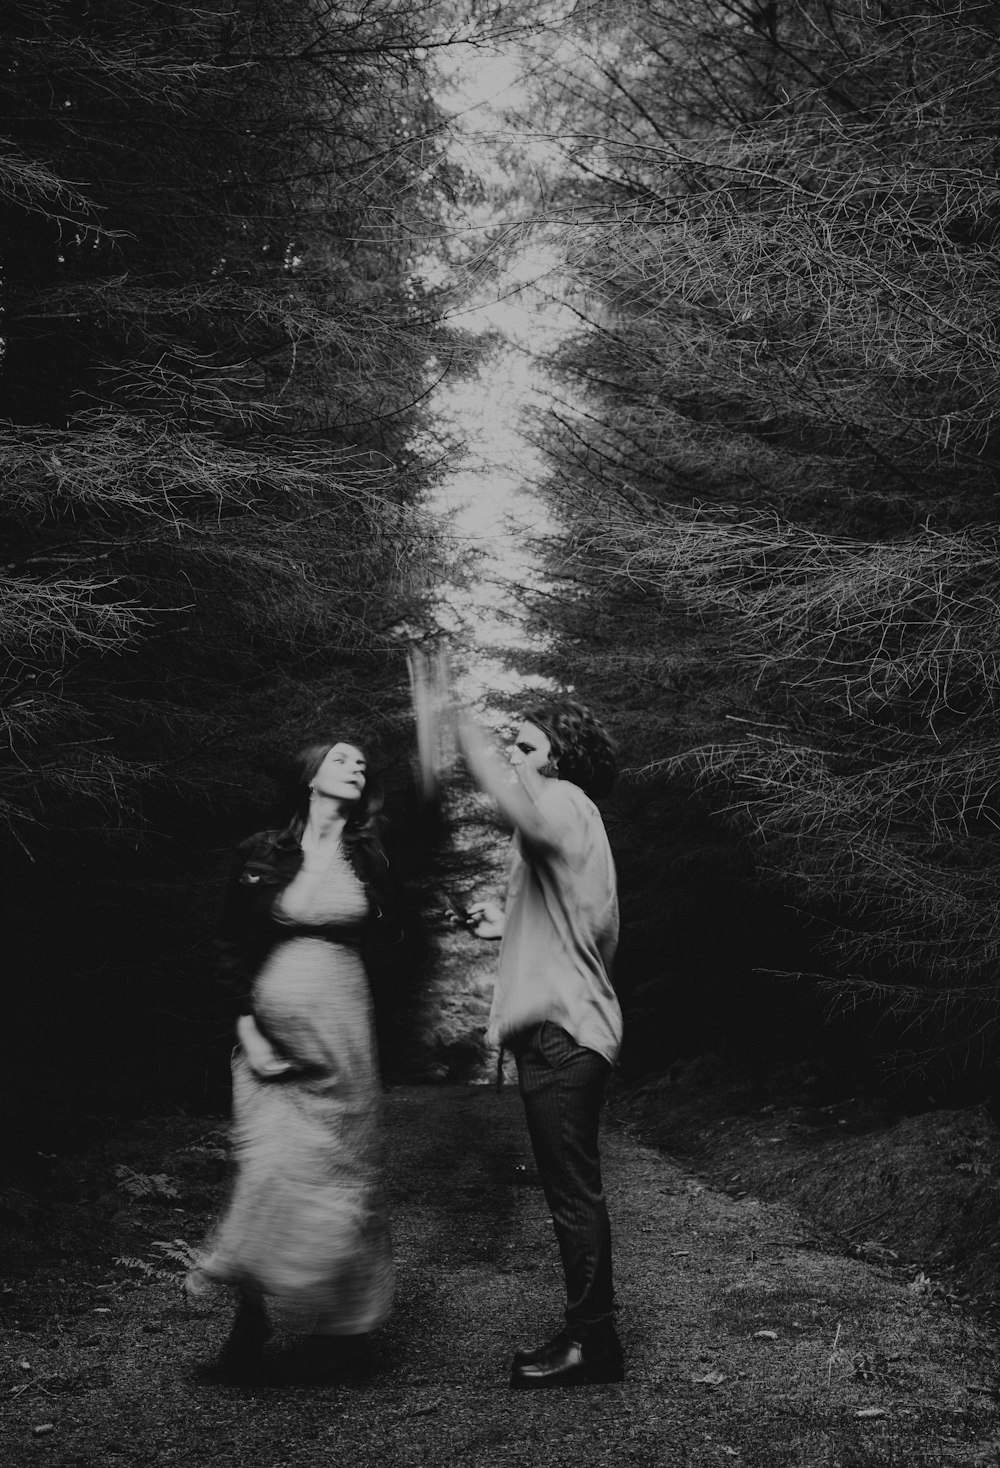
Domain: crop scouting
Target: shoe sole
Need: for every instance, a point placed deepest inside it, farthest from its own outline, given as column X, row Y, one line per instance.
column 524, row 1357
column 577, row 1376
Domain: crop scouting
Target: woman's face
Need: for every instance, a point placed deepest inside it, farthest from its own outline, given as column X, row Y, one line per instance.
column 342, row 774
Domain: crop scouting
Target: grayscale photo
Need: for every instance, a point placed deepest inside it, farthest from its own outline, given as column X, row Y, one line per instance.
column 500, row 733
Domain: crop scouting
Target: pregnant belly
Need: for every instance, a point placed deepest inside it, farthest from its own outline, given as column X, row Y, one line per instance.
column 310, row 997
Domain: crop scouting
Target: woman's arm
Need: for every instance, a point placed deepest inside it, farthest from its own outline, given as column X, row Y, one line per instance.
column 241, row 937
column 231, row 960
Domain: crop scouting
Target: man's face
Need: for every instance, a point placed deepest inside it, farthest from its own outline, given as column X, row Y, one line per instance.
column 530, row 753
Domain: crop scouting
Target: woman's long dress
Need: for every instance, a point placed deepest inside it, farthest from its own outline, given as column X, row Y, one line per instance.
column 307, row 1223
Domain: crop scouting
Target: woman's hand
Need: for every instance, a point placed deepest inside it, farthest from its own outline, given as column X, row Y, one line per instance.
column 261, row 1055
column 486, row 920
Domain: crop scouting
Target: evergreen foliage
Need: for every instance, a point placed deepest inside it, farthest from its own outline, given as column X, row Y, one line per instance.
column 218, row 344
column 777, row 463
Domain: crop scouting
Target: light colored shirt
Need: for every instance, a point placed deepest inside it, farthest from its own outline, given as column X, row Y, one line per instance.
column 561, row 929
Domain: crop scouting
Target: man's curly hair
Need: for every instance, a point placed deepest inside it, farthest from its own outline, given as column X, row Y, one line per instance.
column 582, row 748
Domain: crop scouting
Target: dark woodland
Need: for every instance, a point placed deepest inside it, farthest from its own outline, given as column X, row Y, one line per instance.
column 769, row 449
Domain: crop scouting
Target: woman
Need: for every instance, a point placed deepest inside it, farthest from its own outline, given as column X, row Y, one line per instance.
column 306, row 1225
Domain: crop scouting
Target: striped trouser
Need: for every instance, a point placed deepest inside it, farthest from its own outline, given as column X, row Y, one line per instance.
column 562, row 1086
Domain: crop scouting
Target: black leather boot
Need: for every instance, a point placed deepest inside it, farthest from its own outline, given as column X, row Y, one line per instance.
column 242, row 1357
column 577, row 1356
column 325, row 1358
column 529, row 1353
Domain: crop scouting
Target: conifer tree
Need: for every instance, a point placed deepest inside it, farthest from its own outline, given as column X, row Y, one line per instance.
column 217, row 343
column 777, row 458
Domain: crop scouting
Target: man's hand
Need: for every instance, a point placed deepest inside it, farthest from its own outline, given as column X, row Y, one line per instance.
column 486, row 920
column 517, row 792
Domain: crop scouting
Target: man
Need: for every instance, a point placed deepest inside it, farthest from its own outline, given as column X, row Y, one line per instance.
column 554, row 1007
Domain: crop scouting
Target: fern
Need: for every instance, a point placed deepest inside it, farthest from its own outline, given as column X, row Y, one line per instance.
column 145, row 1185
column 178, row 1251
column 177, row 1257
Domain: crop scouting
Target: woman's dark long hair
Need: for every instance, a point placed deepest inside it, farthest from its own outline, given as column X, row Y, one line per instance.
column 582, row 749
column 363, row 828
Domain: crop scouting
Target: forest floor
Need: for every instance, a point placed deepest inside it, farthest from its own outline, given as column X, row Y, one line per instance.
column 919, row 1193
column 763, row 1331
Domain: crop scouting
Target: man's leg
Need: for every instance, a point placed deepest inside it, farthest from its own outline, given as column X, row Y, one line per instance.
column 562, row 1086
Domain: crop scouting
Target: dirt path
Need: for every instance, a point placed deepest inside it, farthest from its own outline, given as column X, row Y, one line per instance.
column 745, row 1343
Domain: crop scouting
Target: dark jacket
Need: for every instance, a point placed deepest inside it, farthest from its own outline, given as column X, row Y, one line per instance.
column 247, row 931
